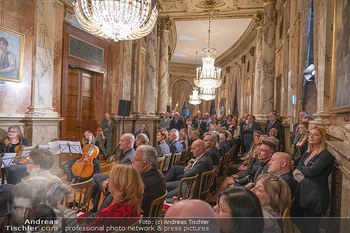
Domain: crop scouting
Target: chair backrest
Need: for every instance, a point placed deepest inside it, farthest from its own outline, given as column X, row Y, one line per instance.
column 189, row 154
column 157, row 206
column 183, row 156
column 226, row 165
column 161, row 163
column 167, row 158
column 82, row 196
column 176, row 159
column 186, row 189
column 207, row 180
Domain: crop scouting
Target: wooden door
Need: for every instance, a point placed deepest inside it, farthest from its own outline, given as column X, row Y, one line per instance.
column 78, row 104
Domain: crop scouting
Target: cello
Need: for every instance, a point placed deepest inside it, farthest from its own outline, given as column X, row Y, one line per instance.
column 84, row 167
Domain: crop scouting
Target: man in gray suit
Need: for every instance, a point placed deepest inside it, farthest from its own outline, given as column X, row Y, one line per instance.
column 201, row 164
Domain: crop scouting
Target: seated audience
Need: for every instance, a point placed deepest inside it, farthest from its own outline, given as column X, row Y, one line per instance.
column 239, row 211
column 302, row 115
column 280, row 165
column 175, row 146
column 143, row 129
column 88, row 140
column 127, row 190
column 163, row 147
column 141, row 139
column 214, row 126
column 223, row 146
column 146, row 162
column 5, row 199
column 274, row 196
column 210, row 141
column 273, row 122
column 312, row 195
column 300, row 146
column 183, row 140
column 207, row 121
column 201, row 164
column 100, row 181
column 193, row 208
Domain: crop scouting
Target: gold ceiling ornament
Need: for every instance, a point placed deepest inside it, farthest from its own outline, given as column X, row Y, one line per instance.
column 208, row 76
column 117, row 19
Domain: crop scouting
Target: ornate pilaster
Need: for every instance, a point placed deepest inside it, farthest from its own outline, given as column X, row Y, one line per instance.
column 286, row 100
column 164, row 26
column 267, row 60
column 151, row 84
column 138, row 52
column 258, row 64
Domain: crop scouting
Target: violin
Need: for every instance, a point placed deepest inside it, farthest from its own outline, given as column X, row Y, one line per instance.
column 18, row 150
column 84, row 167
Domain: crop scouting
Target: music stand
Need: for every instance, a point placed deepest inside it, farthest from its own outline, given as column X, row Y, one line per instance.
column 65, row 147
column 7, row 159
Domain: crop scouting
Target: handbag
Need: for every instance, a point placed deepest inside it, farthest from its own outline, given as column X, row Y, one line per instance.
column 298, row 175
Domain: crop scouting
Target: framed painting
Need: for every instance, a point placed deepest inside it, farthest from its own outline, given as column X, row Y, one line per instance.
column 11, row 55
column 340, row 85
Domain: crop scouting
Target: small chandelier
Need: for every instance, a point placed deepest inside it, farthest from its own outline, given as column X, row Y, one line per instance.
column 207, row 93
column 208, row 76
column 194, row 98
column 116, row 19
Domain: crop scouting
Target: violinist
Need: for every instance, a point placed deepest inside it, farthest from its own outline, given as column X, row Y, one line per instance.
column 87, row 139
column 14, row 143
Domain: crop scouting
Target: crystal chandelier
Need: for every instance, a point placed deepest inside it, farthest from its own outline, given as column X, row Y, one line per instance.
column 116, row 19
column 194, row 98
column 207, row 93
column 208, row 76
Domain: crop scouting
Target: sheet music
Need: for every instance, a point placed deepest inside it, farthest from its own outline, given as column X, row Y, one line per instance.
column 7, row 159
column 65, row 147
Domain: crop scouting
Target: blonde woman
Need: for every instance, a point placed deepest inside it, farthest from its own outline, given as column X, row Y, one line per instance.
column 127, row 189
column 163, row 147
column 300, row 146
column 274, row 196
column 312, row 195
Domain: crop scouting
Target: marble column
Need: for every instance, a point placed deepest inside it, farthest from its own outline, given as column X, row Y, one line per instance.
column 127, row 69
column 268, row 60
column 258, row 64
column 163, row 89
column 286, row 100
column 323, row 23
column 151, row 85
column 41, row 122
column 137, row 77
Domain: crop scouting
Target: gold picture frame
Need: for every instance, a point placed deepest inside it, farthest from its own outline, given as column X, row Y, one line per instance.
column 340, row 79
column 11, row 55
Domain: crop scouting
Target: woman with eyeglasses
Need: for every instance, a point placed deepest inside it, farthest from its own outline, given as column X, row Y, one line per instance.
column 300, row 145
column 14, row 141
column 239, row 210
column 126, row 187
column 274, row 196
column 312, row 195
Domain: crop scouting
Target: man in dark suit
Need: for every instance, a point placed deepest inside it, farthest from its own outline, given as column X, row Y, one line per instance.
column 258, row 165
column 201, row 164
column 273, row 122
column 223, row 145
column 176, row 123
column 280, row 165
column 175, row 145
column 248, row 131
column 200, row 123
column 145, row 160
column 210, row 140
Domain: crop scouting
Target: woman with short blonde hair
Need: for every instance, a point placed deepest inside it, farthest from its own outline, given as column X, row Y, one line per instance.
column 163, row 147
column 127, row 188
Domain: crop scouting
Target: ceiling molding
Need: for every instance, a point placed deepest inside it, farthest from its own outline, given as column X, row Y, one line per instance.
column 240, row 46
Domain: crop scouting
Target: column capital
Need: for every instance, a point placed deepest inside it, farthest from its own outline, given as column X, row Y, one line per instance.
column 252, row 51
column 259, row 19
column 164, row 24
column 269, row 1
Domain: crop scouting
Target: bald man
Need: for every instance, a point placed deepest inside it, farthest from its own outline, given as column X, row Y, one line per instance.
column 280, row 165
column 193, row 209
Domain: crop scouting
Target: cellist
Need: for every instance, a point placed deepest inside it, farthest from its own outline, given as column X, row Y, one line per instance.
column 88, row 138
column 12, row 144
